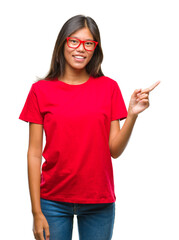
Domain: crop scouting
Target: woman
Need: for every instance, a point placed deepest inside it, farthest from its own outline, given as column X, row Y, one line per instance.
column 79, row 109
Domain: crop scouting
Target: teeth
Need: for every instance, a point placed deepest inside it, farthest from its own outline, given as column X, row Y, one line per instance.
column 78, row 57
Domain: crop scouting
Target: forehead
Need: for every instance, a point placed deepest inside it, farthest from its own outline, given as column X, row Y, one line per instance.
column 83, row 34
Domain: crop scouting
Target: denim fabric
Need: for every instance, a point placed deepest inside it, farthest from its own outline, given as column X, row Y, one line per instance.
column 95, row 221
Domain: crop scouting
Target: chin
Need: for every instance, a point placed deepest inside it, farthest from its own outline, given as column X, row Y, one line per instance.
column 78, row 67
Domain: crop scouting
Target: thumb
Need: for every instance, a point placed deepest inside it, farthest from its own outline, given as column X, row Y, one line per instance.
column 136, row 92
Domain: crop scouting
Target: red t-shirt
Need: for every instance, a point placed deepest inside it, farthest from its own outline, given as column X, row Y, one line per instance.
column 76, row 120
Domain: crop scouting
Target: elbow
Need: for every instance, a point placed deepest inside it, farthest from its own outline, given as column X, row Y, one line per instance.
column 113, row 155
column 116, row 151
column 116, row 155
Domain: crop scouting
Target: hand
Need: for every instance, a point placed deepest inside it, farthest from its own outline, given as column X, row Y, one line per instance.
column 40, row 223
column 140, row 100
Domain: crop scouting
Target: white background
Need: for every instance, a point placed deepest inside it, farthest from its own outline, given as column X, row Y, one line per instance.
column 140, row 41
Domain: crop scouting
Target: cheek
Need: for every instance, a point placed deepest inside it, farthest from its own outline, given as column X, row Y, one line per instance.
column 67, row 53
column 90, row 55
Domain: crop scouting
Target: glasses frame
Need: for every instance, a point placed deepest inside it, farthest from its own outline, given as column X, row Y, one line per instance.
column 80, row 41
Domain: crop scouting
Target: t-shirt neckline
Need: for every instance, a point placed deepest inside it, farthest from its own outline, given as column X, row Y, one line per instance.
column 74, row 85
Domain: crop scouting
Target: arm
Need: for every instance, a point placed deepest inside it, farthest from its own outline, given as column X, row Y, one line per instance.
column 118, row 139
column 34, row 157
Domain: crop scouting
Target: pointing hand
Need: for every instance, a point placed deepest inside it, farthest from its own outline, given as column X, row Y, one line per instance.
column 140, row 100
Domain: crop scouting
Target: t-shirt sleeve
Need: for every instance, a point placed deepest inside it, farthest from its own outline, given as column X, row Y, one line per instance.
column 118, row 108
column 30, row 111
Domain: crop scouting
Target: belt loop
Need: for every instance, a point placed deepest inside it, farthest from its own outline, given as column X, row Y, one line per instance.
column 75, row 207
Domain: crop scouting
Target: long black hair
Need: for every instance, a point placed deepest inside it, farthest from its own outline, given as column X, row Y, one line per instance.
column 75, row 23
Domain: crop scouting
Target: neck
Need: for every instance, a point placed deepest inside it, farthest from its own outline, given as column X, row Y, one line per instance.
column 74, row 75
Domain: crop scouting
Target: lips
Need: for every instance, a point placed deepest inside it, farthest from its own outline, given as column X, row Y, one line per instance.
column 79, row 57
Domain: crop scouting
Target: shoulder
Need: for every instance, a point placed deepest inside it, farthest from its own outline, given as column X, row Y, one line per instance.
column 107, row 79
column 41, row 84
column 108, row 82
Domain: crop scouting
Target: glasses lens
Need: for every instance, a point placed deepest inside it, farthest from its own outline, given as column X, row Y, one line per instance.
column 73, row 42
column 89, row 45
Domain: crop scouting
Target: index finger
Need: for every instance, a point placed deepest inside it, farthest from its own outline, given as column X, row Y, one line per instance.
column 147, row 90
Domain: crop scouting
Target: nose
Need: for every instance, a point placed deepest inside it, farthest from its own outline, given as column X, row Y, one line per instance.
column 81, row 47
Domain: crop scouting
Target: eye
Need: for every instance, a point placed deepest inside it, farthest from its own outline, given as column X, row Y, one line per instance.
column 73, row 41
column 89, row 43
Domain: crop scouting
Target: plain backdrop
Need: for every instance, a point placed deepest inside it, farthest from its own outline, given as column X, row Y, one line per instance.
column 140, row 44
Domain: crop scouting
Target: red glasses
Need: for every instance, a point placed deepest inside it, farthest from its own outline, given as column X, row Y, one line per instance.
column 88, row 45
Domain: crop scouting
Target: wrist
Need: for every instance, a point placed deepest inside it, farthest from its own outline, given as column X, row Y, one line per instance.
column 132, row 115
column 36, row 213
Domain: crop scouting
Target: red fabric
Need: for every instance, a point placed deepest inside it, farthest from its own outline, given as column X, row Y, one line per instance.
column 76, row 120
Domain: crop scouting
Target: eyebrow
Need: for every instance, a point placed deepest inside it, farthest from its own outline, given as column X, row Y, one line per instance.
column 85, row 40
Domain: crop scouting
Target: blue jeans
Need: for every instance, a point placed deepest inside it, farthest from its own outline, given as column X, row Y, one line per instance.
column 95, row 221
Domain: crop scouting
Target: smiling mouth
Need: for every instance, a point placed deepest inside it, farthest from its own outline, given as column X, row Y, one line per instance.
column 79, row 57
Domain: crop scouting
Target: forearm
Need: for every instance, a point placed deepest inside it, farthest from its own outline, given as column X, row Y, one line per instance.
column 122, row 137
column 34, row 164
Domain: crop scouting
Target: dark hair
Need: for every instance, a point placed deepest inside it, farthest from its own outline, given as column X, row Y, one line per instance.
column 58, row 60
